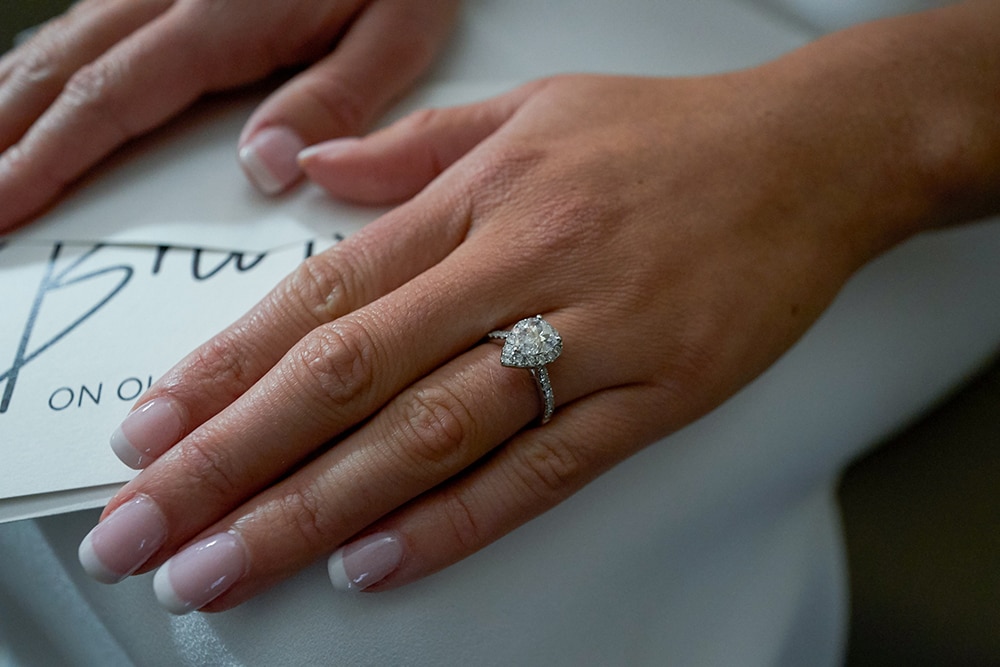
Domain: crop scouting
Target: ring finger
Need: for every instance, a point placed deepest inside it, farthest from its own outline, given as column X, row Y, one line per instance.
column 433, row 431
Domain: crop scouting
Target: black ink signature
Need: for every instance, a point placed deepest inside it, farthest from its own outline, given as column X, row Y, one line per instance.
column 50, row 283
column 53, row 281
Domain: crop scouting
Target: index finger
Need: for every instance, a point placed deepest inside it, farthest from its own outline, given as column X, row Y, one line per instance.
column 33, row 75
column 138, row 84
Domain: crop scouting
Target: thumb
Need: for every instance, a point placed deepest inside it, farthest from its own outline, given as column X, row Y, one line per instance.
column 395, row 163
column 385, row 49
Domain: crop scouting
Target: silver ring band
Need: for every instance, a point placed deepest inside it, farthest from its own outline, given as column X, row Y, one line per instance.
column 532, row 343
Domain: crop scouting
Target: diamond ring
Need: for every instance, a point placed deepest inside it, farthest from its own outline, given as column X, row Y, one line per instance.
column 531, row 344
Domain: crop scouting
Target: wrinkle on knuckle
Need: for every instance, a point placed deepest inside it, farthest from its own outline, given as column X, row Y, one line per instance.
column 318, row 287
column 438, row 426
column 337, row 361
column 509, row 164
column 310, row 518
column 209, row 470
column 461, row 520
column 550, row 470
column 91, row 90
column 221, row 361
column 38, row 65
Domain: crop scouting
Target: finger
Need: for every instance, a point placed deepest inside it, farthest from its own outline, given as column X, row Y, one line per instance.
column 529, row 475
column 383, row 52
column 122, row 94
column 331, row 380
column 399, row 246
column 371, row 263
column 336, row 377
column 433, row 430
column 33, row 75
column 395, row 163
column 429, row 433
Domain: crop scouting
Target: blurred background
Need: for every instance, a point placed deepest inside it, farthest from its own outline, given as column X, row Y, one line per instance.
column 921, row 513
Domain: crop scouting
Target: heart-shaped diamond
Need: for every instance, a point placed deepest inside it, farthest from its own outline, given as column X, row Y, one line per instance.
column 532, row 342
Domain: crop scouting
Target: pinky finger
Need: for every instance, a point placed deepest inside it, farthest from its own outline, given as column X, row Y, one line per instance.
column 532, row 473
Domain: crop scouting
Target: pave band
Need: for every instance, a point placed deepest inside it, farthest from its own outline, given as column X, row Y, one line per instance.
column 532, row 343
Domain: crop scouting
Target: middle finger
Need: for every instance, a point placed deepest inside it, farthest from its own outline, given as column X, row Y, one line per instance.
column 428, row 434
column 337, row 376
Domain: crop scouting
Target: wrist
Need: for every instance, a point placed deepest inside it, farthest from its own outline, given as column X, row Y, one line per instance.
column 902, row 116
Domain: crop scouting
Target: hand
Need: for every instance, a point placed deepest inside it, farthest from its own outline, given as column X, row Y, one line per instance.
column 111, row 70
column 659, row 225
column 679, row 233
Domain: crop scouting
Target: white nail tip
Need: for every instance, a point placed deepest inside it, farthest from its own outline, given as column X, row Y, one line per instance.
column 165, row 593
column 328, row 149
column 125, row 451
column 93, row 566
column 258, row 172
column 338, row 575
column 310, row 152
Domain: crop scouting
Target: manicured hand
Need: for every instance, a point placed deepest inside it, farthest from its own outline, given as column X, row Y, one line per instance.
column 111, row 70
column 680, row 234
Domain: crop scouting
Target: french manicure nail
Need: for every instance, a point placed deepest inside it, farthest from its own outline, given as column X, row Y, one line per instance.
column 200, row 573
column 147, row 432
column 120, row 544
column 269, row 159
column 330, row 149
column 365, row 562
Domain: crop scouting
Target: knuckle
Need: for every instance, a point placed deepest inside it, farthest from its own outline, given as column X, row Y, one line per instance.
column 507, row 168
column 550, row 470
column 511, row 162
column 438, row 427
column 337, row 360
column 306, row 513
column 90, row 85
column 38, row 65
column 317, row 287
column 222, row 362
column 460, row 519
column 91, row 90
column 209, row 469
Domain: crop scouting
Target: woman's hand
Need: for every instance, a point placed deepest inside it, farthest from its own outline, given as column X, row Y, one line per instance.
column 110, row 70
column 679, row 234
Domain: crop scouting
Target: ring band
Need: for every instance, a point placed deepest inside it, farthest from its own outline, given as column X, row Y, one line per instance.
column 532, row 343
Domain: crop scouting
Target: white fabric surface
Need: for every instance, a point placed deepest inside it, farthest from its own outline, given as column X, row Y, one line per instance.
column 720, row 545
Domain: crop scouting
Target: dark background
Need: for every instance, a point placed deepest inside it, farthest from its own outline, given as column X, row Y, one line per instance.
column 921, row 514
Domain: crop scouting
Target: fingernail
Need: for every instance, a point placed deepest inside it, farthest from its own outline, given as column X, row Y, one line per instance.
column 270, row 159
column 147, row 432
column 200, row 573
column 366, row 562
column 120, row 544
column 328, row 149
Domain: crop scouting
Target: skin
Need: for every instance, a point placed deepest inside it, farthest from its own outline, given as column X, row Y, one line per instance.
column 680, row 234
column 111, row 70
